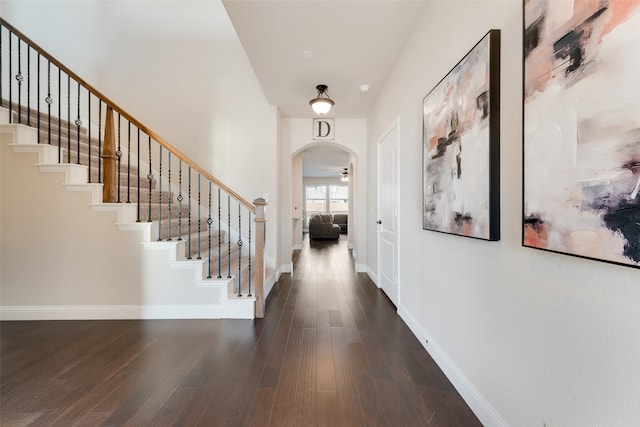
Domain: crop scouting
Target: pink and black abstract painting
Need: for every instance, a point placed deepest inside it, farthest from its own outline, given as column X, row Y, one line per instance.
column 460, row 146
column 582, row 128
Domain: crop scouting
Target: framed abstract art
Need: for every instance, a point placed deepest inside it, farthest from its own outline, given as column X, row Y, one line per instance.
column 581, row 126
column 461, row 146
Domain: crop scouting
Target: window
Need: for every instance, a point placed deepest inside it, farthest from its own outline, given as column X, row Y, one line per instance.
column 339, row 202
column 325, row 199
column 316, row 199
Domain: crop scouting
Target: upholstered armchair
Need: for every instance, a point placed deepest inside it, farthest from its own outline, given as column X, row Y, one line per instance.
column 343, row 221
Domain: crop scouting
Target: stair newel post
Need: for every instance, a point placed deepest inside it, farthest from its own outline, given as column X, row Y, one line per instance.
column 261, row 223
column 109, row 159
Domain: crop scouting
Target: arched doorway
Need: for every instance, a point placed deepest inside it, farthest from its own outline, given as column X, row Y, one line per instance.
column 318, row 187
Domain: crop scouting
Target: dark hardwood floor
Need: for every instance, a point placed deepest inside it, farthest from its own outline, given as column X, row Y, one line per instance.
column 331, row 351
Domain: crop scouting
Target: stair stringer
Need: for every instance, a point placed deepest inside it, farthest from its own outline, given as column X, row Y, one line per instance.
column 172, row 286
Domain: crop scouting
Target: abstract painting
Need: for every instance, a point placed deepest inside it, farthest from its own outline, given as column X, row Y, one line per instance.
column 582, row 128
column 461, row 146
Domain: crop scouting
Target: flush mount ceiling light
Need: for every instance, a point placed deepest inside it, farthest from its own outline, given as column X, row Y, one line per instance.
column 345, row 175
column 321, row 104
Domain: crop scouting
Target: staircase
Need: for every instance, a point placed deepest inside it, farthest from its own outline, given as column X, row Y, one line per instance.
column 202, row 244
column 185, row 244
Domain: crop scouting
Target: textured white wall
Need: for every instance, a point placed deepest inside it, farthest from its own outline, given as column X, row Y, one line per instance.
column 541, row 337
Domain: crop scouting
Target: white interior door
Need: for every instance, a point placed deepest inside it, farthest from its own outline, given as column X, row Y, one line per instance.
column 388, row 214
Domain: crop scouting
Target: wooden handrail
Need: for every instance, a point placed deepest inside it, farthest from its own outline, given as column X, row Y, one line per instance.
column 193, row 165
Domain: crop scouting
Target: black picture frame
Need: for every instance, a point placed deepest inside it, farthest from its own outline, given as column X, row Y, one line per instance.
column 581, row 130
column 461, row 146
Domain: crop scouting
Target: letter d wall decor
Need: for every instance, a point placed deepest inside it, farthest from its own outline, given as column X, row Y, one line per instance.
column 323, row 129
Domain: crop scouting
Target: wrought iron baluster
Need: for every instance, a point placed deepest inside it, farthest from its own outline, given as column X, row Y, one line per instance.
column 229, row 236
column 249, row 248
column 150, row 179
column 10, row 85
column 239, row 278
column 49, row 101
column 128, row 161
column 59, row 115
column 19, row 78
column 78, row 125
column 199, row 218
column 89, row 133
column 68, row 118
column 160, row 197
column 180, row 198
column 37, row 92
column 29, row 86
column 189, row 215
column 219, row 237
column 1, row 98
column 119, row 156
column 169, row 195
column 209, row 222
column 138, row 218
column 99, row 140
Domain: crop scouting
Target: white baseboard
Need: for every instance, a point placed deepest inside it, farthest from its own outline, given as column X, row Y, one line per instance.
column 270, row 282
column 241, row 309
column 361, row 268
column 486, row 413
column 286, row 268
column 372, row 275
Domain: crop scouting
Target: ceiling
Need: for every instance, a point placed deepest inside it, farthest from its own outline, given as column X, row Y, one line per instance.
column 324, row 161
column 350, row 42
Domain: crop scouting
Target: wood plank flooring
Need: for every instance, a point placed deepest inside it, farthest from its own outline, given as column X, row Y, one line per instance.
column 331, row 351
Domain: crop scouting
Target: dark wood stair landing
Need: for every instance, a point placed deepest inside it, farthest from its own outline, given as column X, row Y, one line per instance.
column 331, row 351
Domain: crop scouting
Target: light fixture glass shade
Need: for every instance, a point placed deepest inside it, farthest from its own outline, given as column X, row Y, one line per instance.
column 321, row 104
column 345, row 176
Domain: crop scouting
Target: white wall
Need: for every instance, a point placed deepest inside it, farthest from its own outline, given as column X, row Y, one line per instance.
column 297, row 201
column 536, row 337
column 351, row 134
column 57, row 32
column 41, row 234
column 179, row 68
